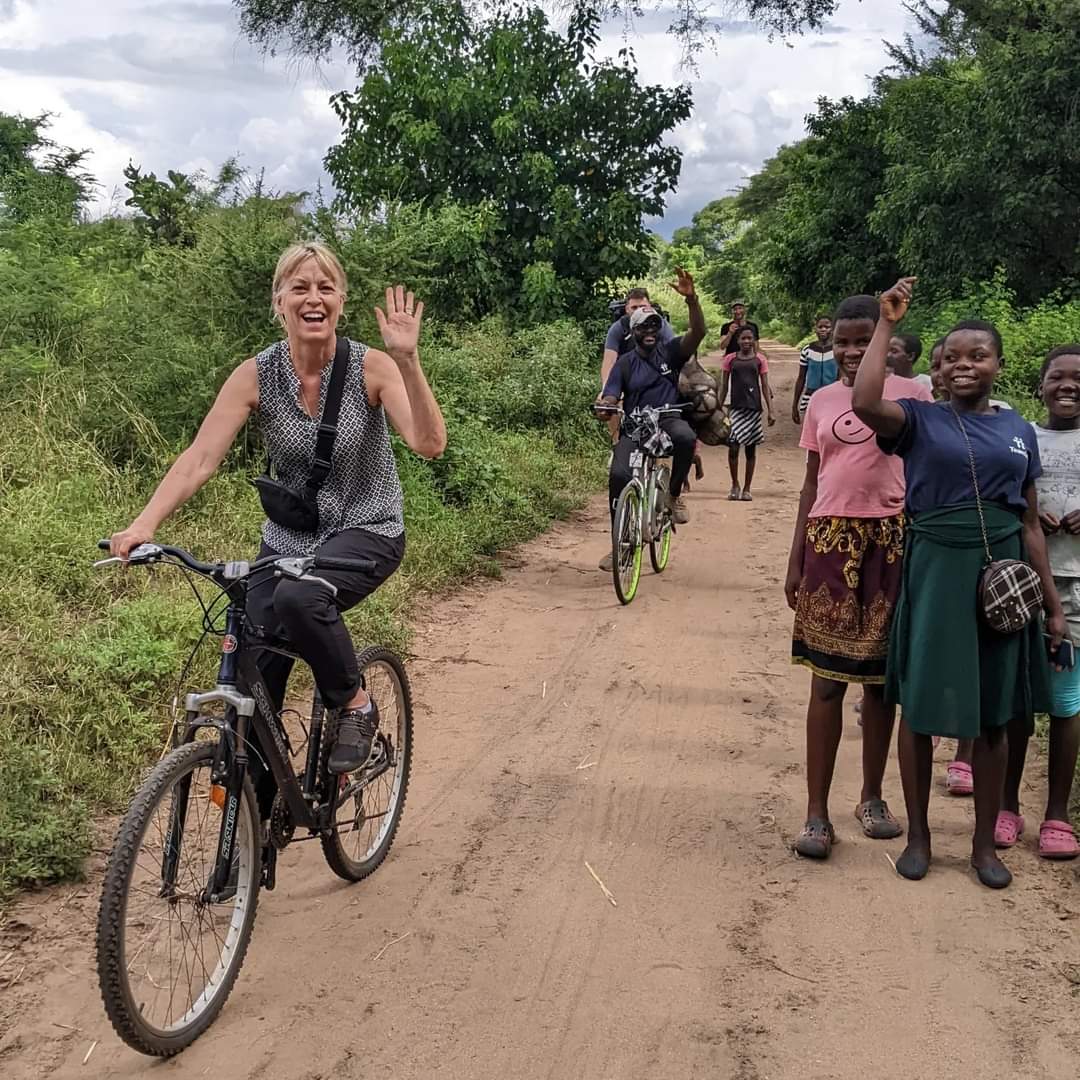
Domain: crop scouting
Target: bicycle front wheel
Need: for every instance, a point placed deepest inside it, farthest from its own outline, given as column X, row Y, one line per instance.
column 167, row 956
column 367, row 820
column 626, row 544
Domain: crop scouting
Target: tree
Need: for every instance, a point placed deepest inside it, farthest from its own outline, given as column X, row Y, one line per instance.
column 568, row 149
column 314, row 28
column 39, row 178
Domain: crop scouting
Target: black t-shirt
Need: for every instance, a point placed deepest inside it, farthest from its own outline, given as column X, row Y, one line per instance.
column 733, row 344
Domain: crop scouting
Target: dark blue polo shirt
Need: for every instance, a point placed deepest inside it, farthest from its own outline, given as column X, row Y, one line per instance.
column 651, row 380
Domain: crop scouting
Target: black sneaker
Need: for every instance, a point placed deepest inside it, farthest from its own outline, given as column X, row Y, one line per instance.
column 355, row 734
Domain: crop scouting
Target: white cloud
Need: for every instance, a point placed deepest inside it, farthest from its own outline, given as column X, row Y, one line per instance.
column 171, row 84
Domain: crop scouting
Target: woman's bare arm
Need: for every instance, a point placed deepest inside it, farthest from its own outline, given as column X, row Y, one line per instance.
column 236, row 401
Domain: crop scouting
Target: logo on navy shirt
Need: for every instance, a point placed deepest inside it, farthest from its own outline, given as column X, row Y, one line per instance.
column 1018, row 446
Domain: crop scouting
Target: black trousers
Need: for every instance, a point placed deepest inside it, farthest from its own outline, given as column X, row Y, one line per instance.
column 682, row 457
column 309, row 615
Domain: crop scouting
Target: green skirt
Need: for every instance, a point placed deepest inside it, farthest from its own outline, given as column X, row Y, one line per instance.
column 953, row 675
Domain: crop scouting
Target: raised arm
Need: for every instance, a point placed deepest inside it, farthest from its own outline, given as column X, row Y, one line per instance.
column 396, row 381
column 236, row 400
column 870, row 406
column 695, row 335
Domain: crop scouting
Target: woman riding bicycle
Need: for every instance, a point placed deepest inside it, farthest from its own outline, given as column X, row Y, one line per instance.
column 359, row 502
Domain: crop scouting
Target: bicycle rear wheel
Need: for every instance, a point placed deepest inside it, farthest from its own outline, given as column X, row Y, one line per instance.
column 626, row 544
column 366, row 823
column 167, row 958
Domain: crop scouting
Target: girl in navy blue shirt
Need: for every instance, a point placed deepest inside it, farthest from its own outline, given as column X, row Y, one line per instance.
column 953, row 675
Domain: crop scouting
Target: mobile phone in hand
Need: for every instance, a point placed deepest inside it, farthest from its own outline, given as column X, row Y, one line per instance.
column 1064, row 656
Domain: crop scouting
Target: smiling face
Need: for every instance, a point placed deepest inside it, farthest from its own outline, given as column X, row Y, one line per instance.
column 851, row 339
column 647, row 333
column 935, row 373
column 309, row 302
column 738, row 313
column 1060, row 391
column 897, row 358
column 969, row 364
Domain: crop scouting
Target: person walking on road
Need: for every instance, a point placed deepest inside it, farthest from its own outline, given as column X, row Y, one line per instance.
column 747, row 374
column 729, row 342
column 817, row 368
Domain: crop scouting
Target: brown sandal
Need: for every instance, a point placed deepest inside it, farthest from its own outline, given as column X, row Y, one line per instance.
column 816, row 839
column 877, row 820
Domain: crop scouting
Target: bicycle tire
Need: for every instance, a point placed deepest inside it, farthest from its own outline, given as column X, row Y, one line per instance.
column 660, row 550
column 626, row 541
column 123, row 1004
column 660, row 532
column 333, row 845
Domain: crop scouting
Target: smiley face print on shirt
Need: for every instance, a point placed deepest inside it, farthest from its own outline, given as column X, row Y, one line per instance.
column 848, row 428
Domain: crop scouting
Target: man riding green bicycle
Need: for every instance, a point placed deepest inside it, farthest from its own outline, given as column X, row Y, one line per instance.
column 648, row 374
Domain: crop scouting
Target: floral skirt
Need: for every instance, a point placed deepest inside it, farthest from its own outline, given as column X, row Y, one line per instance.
column 850, row 582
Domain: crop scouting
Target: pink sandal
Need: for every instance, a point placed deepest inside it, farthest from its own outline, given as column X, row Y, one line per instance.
column 1057, row 840
column 1008, row 829
column 959, row 779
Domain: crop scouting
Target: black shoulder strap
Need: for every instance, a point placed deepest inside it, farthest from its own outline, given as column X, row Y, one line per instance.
column 324, row 441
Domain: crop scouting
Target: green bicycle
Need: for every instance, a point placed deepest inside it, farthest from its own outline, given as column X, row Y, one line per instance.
column 643, row 510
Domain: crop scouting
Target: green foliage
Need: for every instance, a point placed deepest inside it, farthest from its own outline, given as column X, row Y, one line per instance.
column 960, row 163
column 38, row 177
column 565, row 150
column 315, row 27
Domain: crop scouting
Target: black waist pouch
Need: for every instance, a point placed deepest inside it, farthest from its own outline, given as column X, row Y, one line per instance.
column 286, row 506
column 298, row 508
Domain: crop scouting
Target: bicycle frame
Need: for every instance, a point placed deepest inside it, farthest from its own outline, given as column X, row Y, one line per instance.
column 251, row 720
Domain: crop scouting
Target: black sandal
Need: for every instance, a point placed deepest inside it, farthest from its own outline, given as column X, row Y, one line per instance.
column 877, row 821
column 816, row 839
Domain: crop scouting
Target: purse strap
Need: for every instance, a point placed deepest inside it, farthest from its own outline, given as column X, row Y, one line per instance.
column 327, row 435
column 975, row 485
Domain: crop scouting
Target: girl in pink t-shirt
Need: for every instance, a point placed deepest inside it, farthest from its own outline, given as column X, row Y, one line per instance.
column 843, row 580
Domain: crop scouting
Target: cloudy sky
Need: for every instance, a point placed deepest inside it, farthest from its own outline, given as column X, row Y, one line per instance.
column 171, row 84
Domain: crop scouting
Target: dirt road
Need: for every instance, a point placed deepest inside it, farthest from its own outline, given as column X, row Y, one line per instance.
column 662, row 744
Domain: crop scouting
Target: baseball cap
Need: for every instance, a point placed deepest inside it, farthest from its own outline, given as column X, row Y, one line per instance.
column 642, row 315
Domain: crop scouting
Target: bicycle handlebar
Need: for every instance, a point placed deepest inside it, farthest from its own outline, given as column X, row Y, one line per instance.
column 145, row 554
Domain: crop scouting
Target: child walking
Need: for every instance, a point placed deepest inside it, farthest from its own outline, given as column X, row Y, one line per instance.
column 746, row 371
column 1059, row 515
column 952, row 674
column 817, row 368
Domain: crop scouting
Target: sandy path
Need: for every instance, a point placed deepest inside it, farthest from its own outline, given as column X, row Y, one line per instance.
column 726, row 956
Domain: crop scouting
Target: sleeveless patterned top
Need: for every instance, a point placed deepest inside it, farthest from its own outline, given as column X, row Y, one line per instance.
column 362, row 490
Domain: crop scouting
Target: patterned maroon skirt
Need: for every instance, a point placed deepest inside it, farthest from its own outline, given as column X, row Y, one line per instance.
column 850, row 583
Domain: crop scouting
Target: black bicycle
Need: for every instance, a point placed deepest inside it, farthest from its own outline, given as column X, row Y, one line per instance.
column 183, row 879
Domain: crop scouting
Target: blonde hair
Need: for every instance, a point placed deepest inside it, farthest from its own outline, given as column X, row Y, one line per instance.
column 293, row 257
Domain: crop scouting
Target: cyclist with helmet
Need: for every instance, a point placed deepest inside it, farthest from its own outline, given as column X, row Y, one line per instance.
column 648, row 374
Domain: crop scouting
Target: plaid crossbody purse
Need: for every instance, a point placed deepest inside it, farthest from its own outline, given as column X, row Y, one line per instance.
column 1010, row 592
